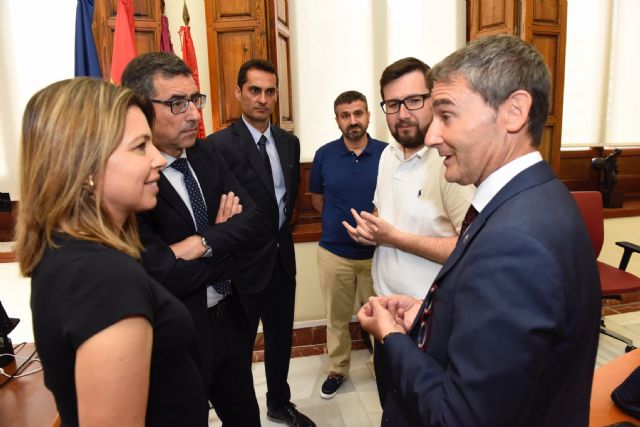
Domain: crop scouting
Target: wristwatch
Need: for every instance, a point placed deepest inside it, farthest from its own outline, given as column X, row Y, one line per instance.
column 205, row 243
column 207, row 247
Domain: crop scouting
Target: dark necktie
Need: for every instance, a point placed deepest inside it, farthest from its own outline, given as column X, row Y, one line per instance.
column 195, row 197
column 262, row 149
column 472, row 213
column 223, row 287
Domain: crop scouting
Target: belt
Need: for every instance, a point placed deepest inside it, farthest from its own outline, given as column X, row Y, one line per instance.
column 219, row 309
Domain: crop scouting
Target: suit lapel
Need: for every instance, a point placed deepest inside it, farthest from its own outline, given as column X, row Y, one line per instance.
column 169, row 194
column 530, row 177
column 285, row 158
column 247, row 144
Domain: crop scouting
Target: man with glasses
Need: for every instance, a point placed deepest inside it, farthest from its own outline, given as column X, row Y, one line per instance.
column 508, row 333
column 419, row 214
column 202, row 217
column 266, row 161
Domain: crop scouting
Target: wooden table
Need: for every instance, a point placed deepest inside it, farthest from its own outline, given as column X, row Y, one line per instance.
column 25, row 401
column 607, row 377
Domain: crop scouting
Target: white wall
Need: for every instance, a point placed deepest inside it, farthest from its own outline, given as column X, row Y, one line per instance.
column 340, row 45
column 36, row 48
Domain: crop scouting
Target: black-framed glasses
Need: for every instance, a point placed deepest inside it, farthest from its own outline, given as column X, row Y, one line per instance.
column 413, row 102
column 425, row 320
column 180, row 105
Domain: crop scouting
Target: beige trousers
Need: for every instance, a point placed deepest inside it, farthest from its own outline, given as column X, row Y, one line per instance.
column 342, row 280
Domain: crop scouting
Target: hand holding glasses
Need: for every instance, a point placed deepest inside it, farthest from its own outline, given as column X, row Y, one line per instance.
column 424, row 332
column 385, row 314
column 180, row 105
column 411, row 103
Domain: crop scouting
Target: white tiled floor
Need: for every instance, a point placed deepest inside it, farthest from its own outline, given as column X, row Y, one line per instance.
column 357, row 404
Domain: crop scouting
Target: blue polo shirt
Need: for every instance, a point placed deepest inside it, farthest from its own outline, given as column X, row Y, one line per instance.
column 346, row 181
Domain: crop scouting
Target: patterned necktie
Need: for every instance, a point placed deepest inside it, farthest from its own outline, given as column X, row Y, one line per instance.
column 472, row 213
column 223, row 287
column 195, row 197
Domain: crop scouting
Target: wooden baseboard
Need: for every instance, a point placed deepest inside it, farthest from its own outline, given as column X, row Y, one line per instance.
column 310, row 341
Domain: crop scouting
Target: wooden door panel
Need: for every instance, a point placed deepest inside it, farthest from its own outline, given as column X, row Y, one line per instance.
column 279, row 54
column 544, row 24
column 547, row 12
column 234, row 9
column 147, row 29
column 240, row 46
column 235, row 34
column 284, row 77
column 547, row 44
column 547, row 140
column 282, row 11
column 488, row 17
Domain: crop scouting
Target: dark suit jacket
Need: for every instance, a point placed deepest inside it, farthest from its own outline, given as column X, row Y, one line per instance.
column 170, row 222
column 514, row 330
column 236, row 145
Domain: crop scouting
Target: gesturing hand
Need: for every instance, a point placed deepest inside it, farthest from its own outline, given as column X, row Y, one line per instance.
column 229, row 206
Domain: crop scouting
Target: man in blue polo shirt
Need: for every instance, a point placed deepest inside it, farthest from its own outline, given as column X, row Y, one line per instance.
column 343, row 176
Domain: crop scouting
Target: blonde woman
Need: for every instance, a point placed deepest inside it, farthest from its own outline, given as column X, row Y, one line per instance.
column 113, row 342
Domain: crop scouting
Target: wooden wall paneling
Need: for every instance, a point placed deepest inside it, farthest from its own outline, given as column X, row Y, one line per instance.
column 308, row 221
column 576, row 171
column 578, row 174
column 235, row 34
column 628, row 172
column 147, row 29
column 306, row 212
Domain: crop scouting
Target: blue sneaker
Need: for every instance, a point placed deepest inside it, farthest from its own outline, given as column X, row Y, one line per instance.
column 331, row 385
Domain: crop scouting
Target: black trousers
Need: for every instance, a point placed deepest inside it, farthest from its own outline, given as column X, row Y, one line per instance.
column 274, row 305
column 231, row 389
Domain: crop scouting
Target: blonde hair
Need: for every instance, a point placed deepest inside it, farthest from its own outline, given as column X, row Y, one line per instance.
column 69, row 130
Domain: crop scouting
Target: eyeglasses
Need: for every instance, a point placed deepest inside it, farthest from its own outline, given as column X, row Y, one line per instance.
column 180, row 105
column 413, row 102
column 425, row 324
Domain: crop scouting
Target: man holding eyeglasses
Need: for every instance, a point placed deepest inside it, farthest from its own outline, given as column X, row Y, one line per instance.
column 419, row 214
column 508, row 333
column 202, row 217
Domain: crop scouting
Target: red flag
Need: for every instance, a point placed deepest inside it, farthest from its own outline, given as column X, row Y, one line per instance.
column 124, row 48
column 189, row 57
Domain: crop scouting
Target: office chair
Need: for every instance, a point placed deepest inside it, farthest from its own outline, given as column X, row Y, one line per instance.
column 613, row 281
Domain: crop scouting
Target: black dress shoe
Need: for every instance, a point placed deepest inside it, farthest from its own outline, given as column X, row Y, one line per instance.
column 289, row 415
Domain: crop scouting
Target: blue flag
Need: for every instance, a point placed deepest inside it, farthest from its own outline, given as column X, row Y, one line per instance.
column 87, row 63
